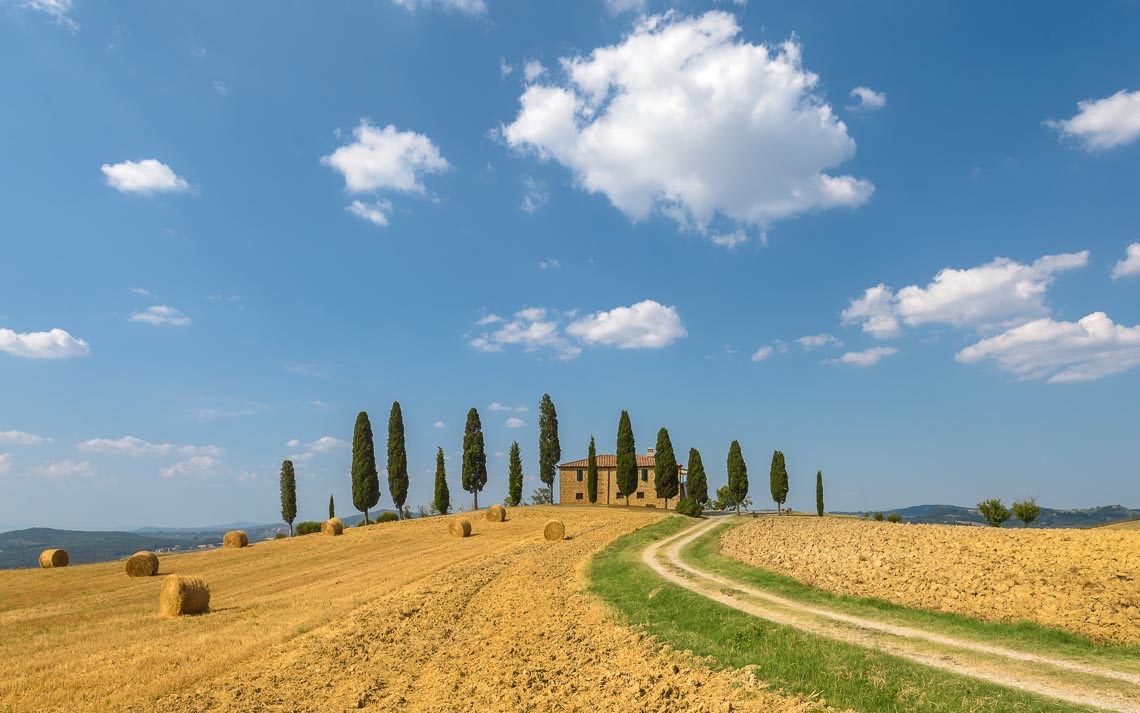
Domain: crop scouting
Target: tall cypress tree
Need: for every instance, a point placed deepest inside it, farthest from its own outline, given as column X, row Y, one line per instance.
column 737, row 475
column 819, row 492
column 778, row 478
column 666, row 479
column 288, row 494
column 698, row 486
column 474, row 475
column 365, row 481
column 442, row 500
column 626, row 458
column 592, row 473
column 549, row 450
column 397, row 458
column 514, row 476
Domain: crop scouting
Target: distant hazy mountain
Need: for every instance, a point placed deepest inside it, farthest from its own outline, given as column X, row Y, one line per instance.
column 1049, row 518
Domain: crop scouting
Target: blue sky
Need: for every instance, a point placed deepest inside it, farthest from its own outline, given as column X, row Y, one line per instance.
column 250, row 221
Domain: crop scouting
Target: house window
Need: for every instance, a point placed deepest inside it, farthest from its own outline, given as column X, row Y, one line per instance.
column 577, row 496
column 641, row 496
column 644, row 475
column 579, row 475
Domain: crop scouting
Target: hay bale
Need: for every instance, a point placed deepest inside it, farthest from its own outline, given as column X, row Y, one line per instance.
column 496, row 513
column 333, row 526
column 183, row 594
column 460, row 528
column 142, row 564
column 554, row 531
column 53, row 558
column 235, row 538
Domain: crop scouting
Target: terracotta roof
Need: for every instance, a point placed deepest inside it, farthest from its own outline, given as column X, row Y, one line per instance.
column 610, row 461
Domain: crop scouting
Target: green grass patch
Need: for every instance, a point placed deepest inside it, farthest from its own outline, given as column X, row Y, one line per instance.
column 1028, row 636
column 846, row 675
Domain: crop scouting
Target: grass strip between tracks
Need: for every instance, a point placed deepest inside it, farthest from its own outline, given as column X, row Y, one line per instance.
column 845, row 675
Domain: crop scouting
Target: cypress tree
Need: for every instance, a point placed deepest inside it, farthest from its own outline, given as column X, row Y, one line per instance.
column 332, row 507
column 626, row 458
column 698, row 488
column 397, row 458
column 474, row 475
column 549, row 450
column 819, row 492
column 592, row 473
column 737, row 475
column 778, row 479
column 442, row 494
column 515, row 476
column 666, row 479
column 365, row 481
column 288, row 494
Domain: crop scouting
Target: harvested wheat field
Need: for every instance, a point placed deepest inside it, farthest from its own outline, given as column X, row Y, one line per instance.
column 1086, row 581
column 398, row 616
column 1125, row 525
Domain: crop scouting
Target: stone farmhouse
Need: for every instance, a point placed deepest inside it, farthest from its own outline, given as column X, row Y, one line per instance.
column 572, row 482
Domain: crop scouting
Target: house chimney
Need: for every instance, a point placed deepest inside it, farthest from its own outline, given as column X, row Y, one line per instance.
column 649, row 451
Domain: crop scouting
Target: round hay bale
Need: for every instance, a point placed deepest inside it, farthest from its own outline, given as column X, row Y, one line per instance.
column 142, row 564
column 333, row 526
column 183, row 594
column 235, row 538
column 554, row 531
column 496, row 513
column 460, row 528
column 54, row 558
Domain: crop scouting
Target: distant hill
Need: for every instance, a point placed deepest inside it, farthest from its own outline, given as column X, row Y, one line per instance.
column 1049, row 518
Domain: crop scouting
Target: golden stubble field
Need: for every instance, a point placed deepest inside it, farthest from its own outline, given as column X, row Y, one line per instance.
column 397, row 616
column 1086, row 581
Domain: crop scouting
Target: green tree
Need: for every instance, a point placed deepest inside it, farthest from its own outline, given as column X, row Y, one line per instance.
column 698, row 485
column 819, row 492
column 993, row 511
column 514, row 476
column 778, row 476
column 288, row 494
column 666, row 479
column 894, row 517
column 397, row 458
column 878, row 516
column 1026, row 510
column 474, row 475
column 365, row 481
column 592, row 473
column 626, row 458
column 737, row 475
column 725, row 500
column 332, row 507
column 442, row 501
column 549, row 450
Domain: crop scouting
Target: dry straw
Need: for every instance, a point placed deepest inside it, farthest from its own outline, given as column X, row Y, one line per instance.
column 460, row 528
column 183, row 594
column 235, row 538
column 142, row 564
column 332, row 526
column 53, row 558
column 496, row 513
column 554, row 531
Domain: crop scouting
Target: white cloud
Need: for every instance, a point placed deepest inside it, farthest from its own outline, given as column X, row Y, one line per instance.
column 439, row 424
column 867, row 99
column 375, row 212
column 59, row 10
column 617, row 7
column 161, row 316
column 488, row 319
column 865, row 358
column 1130, row 265
column 146, row 177
column 535, row 194
column 496, row 406
column 645, row 325
column 22, row 438
column 1103, row 124
column 56, row 344
column 534, row 329
column 326, row 444
column 292, row 442
column 141, row 291
column 729, row 240
column 549, row 264
column 1088, row 349
column 132, row 446
column 191, row 467
column 504, row 67
column 762, row 353
column 386, row 159
column 63, row 469
column 317, row 403
column 466, row 7
column 515, row 422
column 685, row 119
column 991, row 296
column 818, row 340
column 5, row 463
column 220, row 88
column 532, row 70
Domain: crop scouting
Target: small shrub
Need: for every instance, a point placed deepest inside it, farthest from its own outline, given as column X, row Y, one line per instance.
column 894, row 517
column 279, row 535
column 878, row 516
column 387, row 516
column 308, row 527
column 1026, row 510
column 690, row 507
column 993, row 511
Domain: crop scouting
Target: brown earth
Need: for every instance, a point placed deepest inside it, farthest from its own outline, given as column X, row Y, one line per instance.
column 397, row 616
column 1086, row 581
